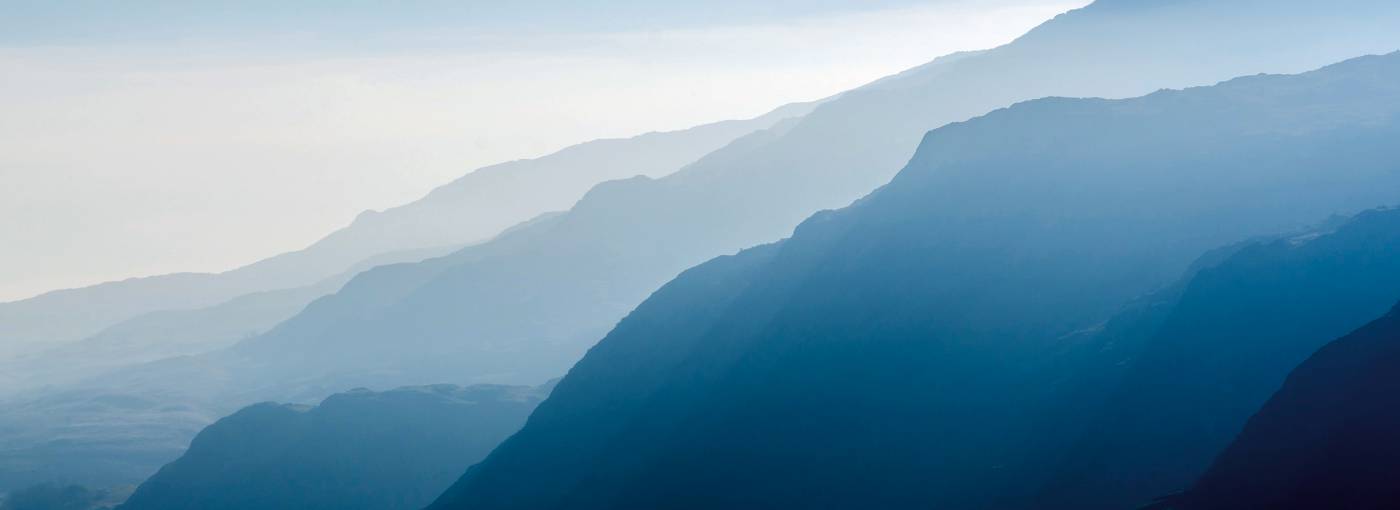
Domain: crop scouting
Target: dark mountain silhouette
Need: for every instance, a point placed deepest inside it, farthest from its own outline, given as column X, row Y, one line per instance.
column 909, row 350
column 1330, row 438
column 383, row 451
column 471, row 209
column 1184, row 387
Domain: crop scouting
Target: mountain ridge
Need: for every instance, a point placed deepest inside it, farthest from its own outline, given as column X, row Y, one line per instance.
column 897, row 334
column 525, row 307
column 756, row 168
column 469, row 209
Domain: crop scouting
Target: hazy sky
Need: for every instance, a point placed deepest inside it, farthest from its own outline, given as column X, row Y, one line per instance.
column 146, row 137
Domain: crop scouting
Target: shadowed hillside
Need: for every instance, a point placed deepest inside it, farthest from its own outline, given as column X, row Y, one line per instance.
column 1330, row 438
column 1184, row 389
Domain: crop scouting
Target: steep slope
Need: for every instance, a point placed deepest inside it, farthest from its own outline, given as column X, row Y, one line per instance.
column 896, row 353
column 381, row 451
column 524, row 309
column 471, row 209
column 1330, row 438
column 1186, row 388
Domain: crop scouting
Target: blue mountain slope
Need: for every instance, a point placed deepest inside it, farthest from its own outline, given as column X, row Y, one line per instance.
column 1177, row 394
column 524, row 309
column 1329, row 438
column 526, row 306
column 898, row 353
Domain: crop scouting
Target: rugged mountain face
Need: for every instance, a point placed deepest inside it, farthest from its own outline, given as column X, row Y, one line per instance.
column 383, row 451
column 1330, row 437
column 471, row 209
column 910, row 350
column 1184, row 388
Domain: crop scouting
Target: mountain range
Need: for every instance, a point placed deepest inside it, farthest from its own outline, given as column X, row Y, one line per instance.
column 523, row 307
column 1037, row 195
column 917, row 348
column 1317, row 280
column 471, row 209
column 164, row 334
column 66, row 416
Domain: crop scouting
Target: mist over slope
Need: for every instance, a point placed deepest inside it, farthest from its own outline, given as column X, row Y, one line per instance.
column 473, row 208
column 75, row 409
column 171, row 333
column 910, row 350
column 523, row 308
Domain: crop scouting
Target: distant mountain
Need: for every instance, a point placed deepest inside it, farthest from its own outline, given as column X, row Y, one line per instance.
column 1330, row 438
column 1182, row 390
column 471, row 209
column 523, row 308
column 917, row 349
column 358, row 450
column 170, row 333
column 118, row 430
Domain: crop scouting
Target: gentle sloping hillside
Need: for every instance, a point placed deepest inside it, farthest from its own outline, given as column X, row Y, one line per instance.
column 172, row 333
column 375, row 451
column 473, row 208
column 895, row 354
column 1330, row 438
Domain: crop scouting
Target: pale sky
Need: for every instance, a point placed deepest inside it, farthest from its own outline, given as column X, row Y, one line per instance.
column 148, row 137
